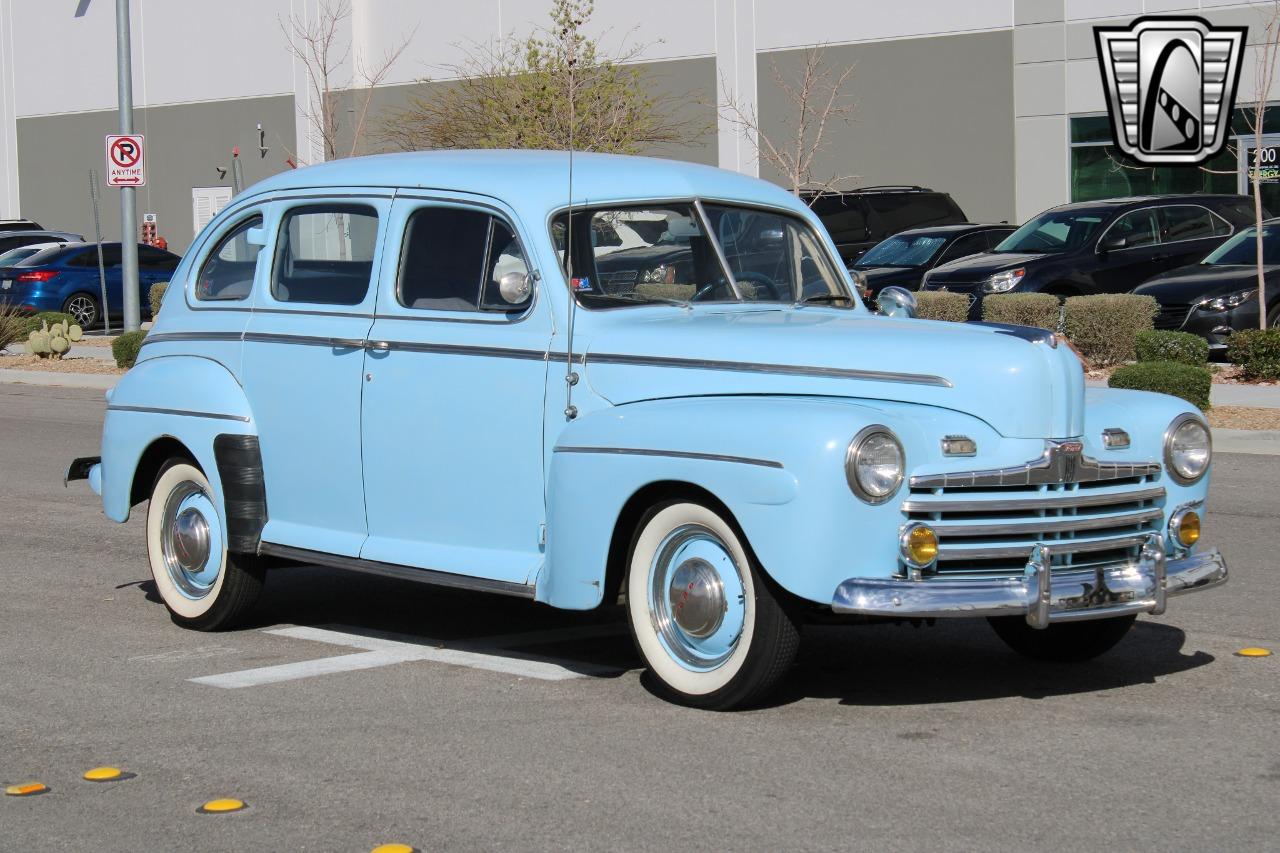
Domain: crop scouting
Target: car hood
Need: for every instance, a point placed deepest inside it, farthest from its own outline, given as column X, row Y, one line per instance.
column 1187, row 284
column 1023, row 389
column 977, row 267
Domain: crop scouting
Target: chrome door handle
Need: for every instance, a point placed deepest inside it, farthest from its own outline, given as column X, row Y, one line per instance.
column 347, row 343
column 380, row 346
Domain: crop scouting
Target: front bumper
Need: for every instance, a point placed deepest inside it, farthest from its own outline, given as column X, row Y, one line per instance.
column 1041, row 595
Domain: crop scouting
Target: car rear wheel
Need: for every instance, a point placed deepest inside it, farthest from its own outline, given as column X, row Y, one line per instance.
column 83, row 309
column 203, row 585
column 1065, row 642
column 701, row 612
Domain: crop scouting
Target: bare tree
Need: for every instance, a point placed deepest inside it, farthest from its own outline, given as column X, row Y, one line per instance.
column 555, row 86
column 318, row 43
column 815, row 99
column 1264, row 75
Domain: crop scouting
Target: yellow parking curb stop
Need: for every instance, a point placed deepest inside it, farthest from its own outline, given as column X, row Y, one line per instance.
column 29, row 789
column 1254, row 652
column 223, row 806
column 107, row 774
column 394, row 848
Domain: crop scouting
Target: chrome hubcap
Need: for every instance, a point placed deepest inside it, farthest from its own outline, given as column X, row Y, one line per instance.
column 190, row 542
column 697, row 600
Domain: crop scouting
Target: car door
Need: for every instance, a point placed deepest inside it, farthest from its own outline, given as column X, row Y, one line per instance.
column 453, row 405
column 1141, row 256
column 1189, row 232
column 303, row 365
column 154, row 266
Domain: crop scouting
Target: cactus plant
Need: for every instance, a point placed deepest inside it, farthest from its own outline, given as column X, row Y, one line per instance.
column 53, row 341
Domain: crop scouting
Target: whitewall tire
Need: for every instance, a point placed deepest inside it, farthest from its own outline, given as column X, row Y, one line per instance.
column 701, row 612
column 203, row 586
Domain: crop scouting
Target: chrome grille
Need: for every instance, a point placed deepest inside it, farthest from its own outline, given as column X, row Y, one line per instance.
column 613, row 282
column 1087, row 512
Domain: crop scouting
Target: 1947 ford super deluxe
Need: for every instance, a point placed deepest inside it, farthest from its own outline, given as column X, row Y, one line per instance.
column 652, row 384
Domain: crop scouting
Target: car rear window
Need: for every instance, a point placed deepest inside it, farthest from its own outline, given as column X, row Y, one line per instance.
column 324, row 255
column 898, row 212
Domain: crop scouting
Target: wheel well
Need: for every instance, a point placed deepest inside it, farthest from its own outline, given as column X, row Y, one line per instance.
column 157, row 453
column 634, row 509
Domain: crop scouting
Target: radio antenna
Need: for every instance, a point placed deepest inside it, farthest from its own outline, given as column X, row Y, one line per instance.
column 570, row 375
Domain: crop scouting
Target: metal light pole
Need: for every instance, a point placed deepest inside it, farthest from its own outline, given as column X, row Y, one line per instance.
column 128, row 202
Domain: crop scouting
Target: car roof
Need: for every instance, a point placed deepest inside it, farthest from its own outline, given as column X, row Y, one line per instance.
column 34, row 232
column 1139, row 200
column 958, row 228
column 537, row 178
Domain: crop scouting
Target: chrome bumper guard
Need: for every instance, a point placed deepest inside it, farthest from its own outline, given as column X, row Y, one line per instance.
column 1043, row 597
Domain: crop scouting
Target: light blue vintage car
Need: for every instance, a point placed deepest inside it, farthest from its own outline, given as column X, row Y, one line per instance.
column 651, row 384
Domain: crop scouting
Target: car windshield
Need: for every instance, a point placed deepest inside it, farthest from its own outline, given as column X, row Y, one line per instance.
column 1242, row 249
column 1054, row 232
column 751, row 255
column 902, row 251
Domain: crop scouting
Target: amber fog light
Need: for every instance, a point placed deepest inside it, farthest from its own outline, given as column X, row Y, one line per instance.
column 919, row 545
column 1185, row 527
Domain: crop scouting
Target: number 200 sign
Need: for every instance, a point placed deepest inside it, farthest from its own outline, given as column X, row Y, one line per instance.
column 124, row 161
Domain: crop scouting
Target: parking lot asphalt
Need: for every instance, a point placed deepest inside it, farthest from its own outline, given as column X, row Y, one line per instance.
column 485, row 723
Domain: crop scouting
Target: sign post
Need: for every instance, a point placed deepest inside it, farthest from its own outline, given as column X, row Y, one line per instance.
column 97, row 233
column 128, row 210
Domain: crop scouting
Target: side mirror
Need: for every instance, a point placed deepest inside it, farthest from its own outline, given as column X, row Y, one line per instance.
column 771, row 237
column 897, row 302
column 256, row 236
column 1111, row 242
column 515, row 288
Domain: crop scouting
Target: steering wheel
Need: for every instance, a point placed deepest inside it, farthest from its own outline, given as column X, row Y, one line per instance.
column 769, row 285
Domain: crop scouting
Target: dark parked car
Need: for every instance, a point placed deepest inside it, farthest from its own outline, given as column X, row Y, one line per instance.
column 26, row 237
column 903, row 259
column 1107, row 246
column 20, row 225
column 861, row 218
column 65, row 279
column 1219, row 295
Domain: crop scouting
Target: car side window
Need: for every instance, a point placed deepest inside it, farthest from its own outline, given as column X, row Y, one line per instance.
column 969, row 244
column 1138, row 228
column 229, row 269
column 324, row 254
column 455, row 259
column 152, row 258
column 843, row 216
column 1191, row 222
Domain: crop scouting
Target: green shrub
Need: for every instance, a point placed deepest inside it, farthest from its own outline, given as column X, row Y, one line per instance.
column 156, row 295
column 36, row 321
column 13, row 326
column 1040, row 310
column 941, row 305
column 1182, row 347
column 1257, row 352
column 1104, row 327
column 1190, row 382
column 125, row 348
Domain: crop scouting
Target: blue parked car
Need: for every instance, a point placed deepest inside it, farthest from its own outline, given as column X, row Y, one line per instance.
column 65, row 278
column 439, row 366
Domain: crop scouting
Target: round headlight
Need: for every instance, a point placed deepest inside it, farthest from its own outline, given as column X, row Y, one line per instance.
column 874, row 464
column 1187, row 449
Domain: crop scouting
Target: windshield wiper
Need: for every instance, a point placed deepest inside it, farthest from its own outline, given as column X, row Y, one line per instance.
column 823, row 298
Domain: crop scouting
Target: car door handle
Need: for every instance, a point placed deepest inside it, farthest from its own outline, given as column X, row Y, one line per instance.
column 347, row 343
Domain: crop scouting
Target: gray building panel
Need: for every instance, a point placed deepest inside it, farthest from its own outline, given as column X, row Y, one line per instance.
column 931, row 111
column 185, row 145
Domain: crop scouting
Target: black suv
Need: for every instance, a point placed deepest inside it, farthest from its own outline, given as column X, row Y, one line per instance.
column 1107, row 246
column 858, row 219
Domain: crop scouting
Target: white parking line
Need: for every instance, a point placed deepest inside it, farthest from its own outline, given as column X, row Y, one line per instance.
column 383, row 651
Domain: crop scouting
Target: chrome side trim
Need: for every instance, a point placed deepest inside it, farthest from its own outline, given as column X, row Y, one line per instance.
column 1073, row 500
column 154, row 410
column 950, row 551
column 1116, row 590
column 1034, row 526
column 758, row 367
column 462, row 349
column 1061, row 462
column 173, row 337
column 675, row 454
column 391, row 570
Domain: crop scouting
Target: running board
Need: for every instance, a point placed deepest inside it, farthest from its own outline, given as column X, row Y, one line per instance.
column 392, row 570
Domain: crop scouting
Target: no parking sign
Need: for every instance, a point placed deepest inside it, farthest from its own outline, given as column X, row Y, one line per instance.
column 124, row 161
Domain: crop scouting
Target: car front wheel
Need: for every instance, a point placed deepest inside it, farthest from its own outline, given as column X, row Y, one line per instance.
column 701, row 613
column 203, row 586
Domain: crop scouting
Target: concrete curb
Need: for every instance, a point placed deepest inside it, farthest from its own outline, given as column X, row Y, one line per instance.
column 1226, row 394
column 1264, row 442
column 50, row 379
